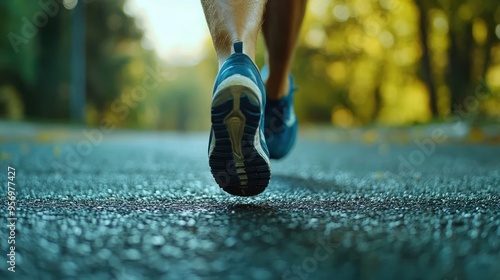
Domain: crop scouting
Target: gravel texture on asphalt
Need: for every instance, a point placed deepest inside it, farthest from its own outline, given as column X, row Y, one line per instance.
column 145, row 206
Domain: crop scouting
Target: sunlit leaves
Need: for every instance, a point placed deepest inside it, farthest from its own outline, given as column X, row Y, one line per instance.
column 372, row 48
column 479, row 31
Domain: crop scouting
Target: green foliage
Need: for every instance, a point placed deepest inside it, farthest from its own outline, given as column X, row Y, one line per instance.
column 358, row 62
column 363, row 61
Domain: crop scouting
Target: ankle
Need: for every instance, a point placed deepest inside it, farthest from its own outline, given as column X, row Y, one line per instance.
column 223, row 53
column 277, row 89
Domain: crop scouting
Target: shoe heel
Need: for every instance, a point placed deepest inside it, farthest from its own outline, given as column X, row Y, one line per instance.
column 236, row 164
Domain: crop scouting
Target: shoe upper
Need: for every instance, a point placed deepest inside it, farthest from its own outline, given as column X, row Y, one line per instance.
column 240, row 63
column 280, row 123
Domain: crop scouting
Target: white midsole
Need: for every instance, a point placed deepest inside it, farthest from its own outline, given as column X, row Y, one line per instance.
column 238, row 80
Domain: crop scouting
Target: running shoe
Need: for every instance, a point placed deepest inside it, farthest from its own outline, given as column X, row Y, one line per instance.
column 280, row 122
column 238, row 154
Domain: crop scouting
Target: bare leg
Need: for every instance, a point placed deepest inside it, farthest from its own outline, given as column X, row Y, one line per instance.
column 281, row 27
column 233, row 20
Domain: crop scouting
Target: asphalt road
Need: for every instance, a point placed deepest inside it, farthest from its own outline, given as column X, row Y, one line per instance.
column 144, row 206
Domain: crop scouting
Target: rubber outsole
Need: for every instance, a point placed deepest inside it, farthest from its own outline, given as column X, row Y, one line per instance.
column 236, row 159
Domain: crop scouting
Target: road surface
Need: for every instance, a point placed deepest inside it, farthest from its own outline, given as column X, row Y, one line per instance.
column 143, row 205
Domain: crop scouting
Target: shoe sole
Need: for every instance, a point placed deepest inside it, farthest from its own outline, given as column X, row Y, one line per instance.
column 237, row 160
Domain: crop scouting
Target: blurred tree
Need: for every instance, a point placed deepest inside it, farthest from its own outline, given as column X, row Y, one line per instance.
column 472, row 36
column 428, row 77
column 50, row 96
column 113, row 41
column 460, row 54
column 36, row 60
column 17, row 54
column 78, row 63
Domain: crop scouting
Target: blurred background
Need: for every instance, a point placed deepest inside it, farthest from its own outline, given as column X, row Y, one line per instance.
column 150, row 64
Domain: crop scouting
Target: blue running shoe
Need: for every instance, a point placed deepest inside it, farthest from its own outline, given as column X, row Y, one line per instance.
column 280, row 122
column 238, row 155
